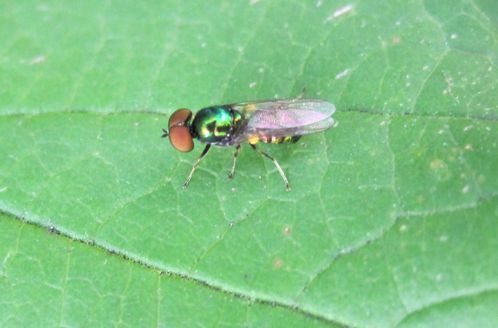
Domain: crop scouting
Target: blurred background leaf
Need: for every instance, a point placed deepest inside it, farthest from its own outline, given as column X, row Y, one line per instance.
column 393, row 215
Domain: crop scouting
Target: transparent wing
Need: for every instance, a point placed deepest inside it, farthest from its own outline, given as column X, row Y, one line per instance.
column 282, row 118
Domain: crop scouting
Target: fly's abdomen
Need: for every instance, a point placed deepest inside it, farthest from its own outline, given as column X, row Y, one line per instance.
column 279, row 140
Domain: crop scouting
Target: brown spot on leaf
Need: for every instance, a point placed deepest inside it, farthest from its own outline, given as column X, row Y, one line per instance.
column 277, row 263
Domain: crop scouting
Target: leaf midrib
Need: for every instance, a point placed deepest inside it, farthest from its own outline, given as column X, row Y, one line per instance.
column 272, row 300
column 105, row 112
column 269, row 300
column 259, row 298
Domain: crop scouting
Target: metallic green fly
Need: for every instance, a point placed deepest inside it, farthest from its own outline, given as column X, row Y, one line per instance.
column 273, row 121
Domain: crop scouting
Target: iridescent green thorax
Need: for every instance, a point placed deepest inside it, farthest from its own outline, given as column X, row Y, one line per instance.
column 216, row 124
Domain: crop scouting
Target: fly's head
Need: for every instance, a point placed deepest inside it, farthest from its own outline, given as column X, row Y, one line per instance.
column 179, row 131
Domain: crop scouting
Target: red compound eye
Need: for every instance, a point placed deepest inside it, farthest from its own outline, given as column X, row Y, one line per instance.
column 179, row 117
column 179, row 132
column 180, row 138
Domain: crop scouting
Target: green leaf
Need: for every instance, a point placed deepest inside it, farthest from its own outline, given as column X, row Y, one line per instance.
column 393, row 216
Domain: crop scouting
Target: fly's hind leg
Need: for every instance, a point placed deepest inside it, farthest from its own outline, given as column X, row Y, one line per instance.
column 282, row 174
column 196, row 164
column 235, row 154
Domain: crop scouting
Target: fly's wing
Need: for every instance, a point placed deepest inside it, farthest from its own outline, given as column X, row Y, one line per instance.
column 284, row 118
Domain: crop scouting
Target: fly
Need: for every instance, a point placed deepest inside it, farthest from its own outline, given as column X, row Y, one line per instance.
column 273, row 121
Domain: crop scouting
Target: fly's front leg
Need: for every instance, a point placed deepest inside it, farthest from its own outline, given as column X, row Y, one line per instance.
column 279, row 169
column 235, row 154
column 196, row 164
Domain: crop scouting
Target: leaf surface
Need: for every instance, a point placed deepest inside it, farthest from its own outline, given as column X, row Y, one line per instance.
column 393, row 215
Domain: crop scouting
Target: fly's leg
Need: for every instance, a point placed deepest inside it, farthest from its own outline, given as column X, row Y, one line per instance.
column 235, row 154
column 196, row 164
column 282, row 174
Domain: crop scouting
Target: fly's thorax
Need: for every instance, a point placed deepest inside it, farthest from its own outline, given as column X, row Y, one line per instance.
column 216, row 124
